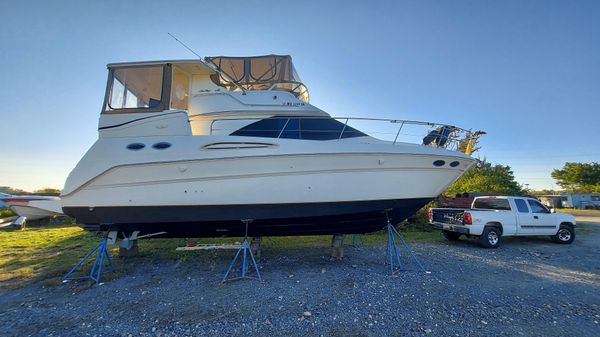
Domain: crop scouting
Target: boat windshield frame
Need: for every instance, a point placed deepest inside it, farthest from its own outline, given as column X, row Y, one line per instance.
column 165, row 100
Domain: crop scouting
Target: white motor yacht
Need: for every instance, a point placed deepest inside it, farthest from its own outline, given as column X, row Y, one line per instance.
column 192, row 147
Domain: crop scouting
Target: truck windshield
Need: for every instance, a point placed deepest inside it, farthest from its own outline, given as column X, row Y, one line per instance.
column 492, row 203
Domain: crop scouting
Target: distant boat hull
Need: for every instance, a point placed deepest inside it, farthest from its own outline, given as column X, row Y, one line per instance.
column 34, row 207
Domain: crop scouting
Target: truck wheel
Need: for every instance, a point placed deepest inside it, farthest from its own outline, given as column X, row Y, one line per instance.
column 451, row 236
column 565, row 235
column 490, row 238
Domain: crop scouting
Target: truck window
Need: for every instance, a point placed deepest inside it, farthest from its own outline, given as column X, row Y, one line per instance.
column 536, row 207
column 521, row 206
column 492, row 203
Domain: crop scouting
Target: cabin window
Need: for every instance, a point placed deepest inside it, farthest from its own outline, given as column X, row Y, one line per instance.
column 595, row 197
column 136, row 88
column 298, row 128
column 180, row 89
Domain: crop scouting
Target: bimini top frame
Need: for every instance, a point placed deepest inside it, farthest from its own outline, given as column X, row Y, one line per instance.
column 267, row 72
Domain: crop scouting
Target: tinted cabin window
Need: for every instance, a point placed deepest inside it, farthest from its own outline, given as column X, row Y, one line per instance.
column 298, row 128
column 536, row 207
column 492, row 203
column 521, row 206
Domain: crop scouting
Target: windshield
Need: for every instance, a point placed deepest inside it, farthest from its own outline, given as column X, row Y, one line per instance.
column 136, row 88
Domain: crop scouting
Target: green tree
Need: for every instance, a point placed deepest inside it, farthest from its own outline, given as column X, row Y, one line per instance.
column 579, row 177
column 47, row 190
column 498, row 179
column 545, row 192
column 10, row 190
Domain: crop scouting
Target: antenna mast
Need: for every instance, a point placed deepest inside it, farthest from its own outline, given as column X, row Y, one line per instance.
column 208, row 64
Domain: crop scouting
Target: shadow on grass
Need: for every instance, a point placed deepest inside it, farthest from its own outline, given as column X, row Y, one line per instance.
column 46, row 251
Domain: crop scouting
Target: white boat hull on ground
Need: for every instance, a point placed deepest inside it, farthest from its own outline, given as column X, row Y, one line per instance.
column 263, row 184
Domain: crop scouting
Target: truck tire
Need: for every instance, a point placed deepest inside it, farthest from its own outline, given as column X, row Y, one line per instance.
column 490, row 238
column 451, row 236
column 565, row 235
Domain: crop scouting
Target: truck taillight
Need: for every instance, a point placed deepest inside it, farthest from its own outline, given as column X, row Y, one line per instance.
column 430, row 215
column 467, row 219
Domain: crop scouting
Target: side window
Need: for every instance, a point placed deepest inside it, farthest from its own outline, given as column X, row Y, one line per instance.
column 521, row 206
column 536, row 207
column 136, row 88
column 298, row 128
column 180, row 89
column 268, row 128
column 595, row 197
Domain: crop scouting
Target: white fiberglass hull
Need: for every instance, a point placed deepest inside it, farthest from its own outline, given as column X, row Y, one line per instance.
column 282, row 182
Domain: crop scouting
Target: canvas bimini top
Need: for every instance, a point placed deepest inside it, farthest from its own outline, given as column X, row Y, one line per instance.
column 267, row 72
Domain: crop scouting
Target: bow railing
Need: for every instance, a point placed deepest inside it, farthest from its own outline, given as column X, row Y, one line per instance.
column 338, row 128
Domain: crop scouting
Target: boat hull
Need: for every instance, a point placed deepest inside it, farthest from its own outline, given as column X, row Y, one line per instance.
column 288, row 188
column 354, row 217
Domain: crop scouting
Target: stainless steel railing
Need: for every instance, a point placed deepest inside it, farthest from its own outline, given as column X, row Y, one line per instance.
column 393, row 130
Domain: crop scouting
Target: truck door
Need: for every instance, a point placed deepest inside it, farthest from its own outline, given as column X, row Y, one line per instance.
column 545, row 222
column 525, row 224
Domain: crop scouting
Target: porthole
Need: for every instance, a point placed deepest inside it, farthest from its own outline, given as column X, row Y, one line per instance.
column 454, row 164
column 439, row 163
column 161, row 145
column 135, row 146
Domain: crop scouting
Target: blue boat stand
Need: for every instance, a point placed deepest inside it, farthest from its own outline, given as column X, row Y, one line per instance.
column 392, row 251
column 97, row 270
column 245, row 250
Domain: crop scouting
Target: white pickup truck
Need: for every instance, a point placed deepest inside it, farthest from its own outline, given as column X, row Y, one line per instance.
column 491, row 218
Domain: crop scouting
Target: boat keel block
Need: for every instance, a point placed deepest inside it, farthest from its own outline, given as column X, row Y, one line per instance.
column 255, row 246
column 337, row 246
column 98, row 266
column 244, row 251
column 392, row 251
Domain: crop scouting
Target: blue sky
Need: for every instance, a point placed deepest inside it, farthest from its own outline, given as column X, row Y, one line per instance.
column 527, row 72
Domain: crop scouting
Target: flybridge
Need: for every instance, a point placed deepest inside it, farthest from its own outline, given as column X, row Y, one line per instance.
column 268, row 72
column 162, row 85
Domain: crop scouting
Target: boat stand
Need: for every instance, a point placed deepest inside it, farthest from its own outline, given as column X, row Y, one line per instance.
column 98, row 266
column 392, row 251
column 245, row 250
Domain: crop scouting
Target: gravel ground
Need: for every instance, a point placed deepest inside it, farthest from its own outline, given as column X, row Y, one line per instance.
column 528, row 287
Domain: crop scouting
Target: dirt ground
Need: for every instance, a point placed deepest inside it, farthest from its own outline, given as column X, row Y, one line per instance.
column 528, row 287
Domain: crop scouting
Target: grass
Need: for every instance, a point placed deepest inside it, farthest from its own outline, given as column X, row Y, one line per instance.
column 48, row 251
column 6, row 212
column 40, row 252
column 578, row 211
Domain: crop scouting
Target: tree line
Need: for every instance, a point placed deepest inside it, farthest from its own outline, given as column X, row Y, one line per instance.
column 499, row 179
